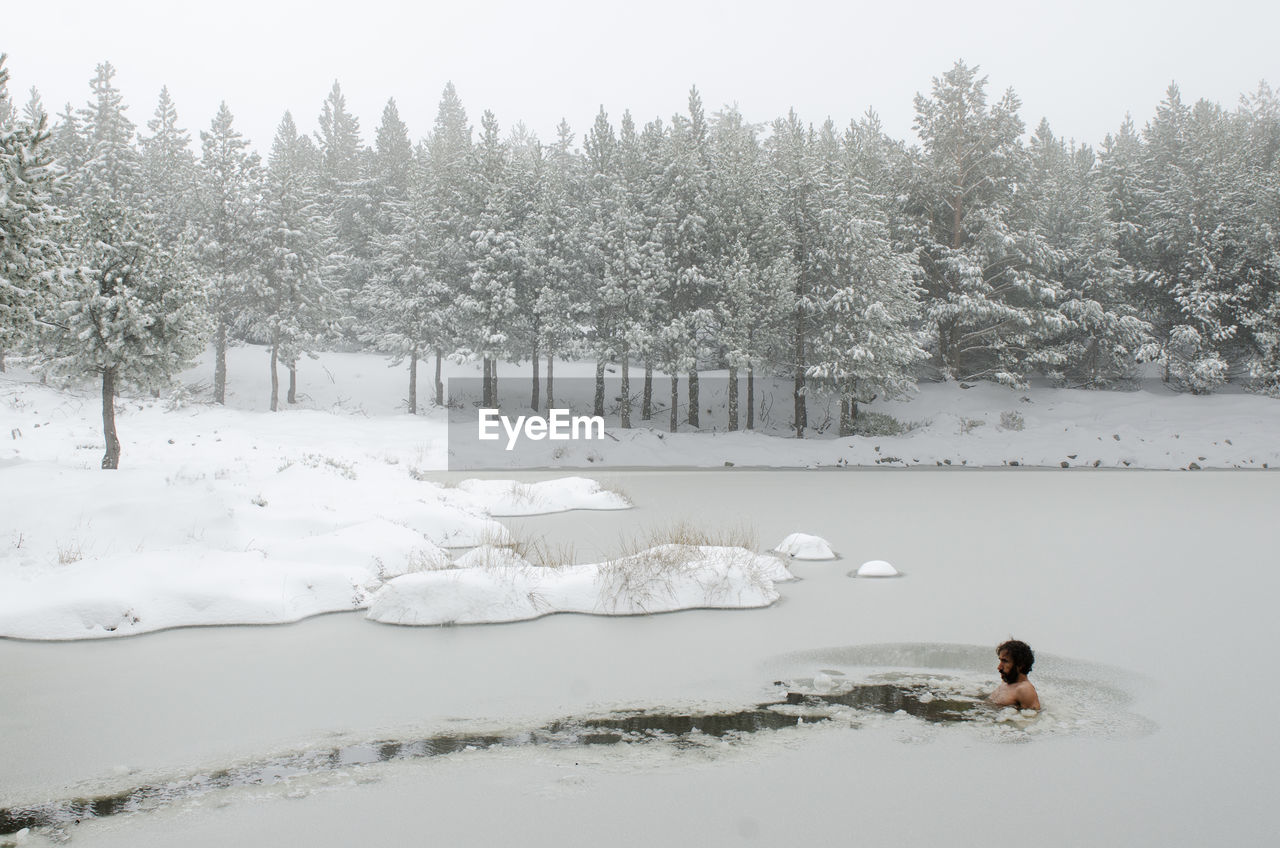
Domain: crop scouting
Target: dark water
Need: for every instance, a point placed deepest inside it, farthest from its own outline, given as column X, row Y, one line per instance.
column 890, row 698
column 678, row 728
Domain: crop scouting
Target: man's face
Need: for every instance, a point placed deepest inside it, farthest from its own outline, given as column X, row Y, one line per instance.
column 1008, row 673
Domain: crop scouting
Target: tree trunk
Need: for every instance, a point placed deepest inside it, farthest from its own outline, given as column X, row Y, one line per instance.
column 693, row 397
column 220, row 363
column 292, row 397
column 439, row 382
column 111, row 459
column 800, row 411
column 846, row 421
column 733, row 398
column 275, row 377
column 675, row 399
column 751, row 397
column 413, row 382
column 801, row 416
column 534, row 399
column 599, row 404
column 551, row 369
column 949, row 348
column 625, row 413
column 493, row 380
column 1093, row 362
column 1, row 361
column 646, row 403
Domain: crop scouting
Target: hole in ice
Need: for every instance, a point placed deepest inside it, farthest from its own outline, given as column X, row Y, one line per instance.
column 941, row 685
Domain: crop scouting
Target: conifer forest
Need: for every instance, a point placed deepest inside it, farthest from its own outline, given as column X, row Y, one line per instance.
column 836, row 257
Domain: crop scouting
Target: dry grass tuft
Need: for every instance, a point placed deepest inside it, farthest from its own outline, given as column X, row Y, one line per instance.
column 535, row 550
column 683, row 532
column 69, row 553
column 655, row 559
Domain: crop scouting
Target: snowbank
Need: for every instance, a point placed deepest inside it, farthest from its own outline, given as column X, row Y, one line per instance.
column 660, row 579
column 230, row 514
column 222, row 516
column 139, row 593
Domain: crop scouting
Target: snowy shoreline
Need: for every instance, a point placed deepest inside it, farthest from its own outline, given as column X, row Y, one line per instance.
column 233, row 515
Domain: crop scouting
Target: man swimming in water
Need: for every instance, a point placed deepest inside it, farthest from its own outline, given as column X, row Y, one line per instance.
column 1016, row 691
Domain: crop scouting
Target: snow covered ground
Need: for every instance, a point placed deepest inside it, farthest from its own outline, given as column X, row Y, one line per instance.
column 352, row 409
column 232, row 515
column 1141, row 591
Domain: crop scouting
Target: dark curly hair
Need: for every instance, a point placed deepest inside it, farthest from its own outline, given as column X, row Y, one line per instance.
column 1020, row 653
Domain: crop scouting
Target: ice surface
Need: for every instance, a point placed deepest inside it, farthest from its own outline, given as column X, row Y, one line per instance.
column 1126, row 594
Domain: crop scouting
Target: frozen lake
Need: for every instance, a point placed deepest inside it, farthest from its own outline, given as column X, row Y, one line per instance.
column 1146, row 595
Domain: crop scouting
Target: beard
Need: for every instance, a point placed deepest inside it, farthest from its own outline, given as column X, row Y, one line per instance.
column 1010, row 677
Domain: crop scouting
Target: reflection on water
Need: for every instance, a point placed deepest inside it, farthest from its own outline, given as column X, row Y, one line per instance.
column 1079, row 703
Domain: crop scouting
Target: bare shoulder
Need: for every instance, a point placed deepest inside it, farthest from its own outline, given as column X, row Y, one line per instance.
column 1026, row 696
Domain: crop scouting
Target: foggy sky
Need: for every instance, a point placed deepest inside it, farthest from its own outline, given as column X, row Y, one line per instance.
column 1083, row 65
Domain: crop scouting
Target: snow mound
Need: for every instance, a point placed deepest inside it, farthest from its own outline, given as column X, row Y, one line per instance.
column 804, row 546
column 877, row 568
column 490, row 556
column 660, row 579
column 512, row 497
column 139, row 593
column 385, row 548
column 445, row 524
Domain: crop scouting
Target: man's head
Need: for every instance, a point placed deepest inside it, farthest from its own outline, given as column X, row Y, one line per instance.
column 1015, row 658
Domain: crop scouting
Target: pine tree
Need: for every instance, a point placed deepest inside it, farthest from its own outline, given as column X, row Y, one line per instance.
column 343, row 195
column 696, row 240
column 452, row 215
column 672, row 325
column 1257, row 129
column 1204, row 279
column 169, row 169
column 228, row 211
column 34, row 113
column 526, row 181
column 658, row 213
column 488, row 304
column 865, row 300
column 31, row 227
column 1068, row 206
column 602, row 246
column 755, row 269
column 794, row 178
column 991, row 303
column 402, row 301
column 70, row 143
column 290, row 305
column 134, row 314
column 639, row 259
column 556, row 234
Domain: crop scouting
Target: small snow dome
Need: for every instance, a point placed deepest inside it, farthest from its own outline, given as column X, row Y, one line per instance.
column 804, row 546
column 877, row 568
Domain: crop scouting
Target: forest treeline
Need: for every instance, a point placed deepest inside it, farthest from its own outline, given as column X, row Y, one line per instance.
column 848, row 261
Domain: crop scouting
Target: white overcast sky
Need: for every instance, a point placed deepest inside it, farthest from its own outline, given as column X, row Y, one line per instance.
column 1083, row 63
